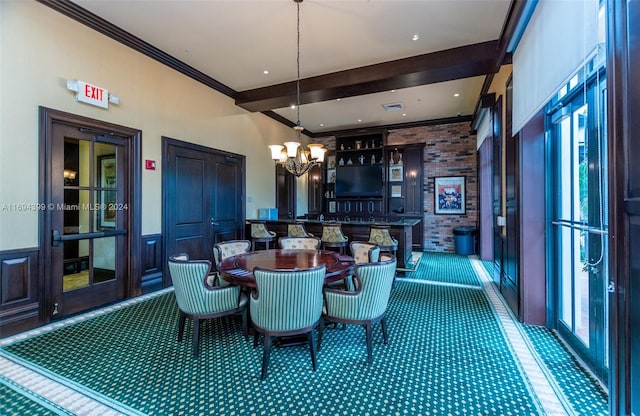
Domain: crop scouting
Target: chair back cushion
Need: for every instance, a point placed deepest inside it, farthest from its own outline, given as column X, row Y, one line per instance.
column 193, row 295
column 259, row 230
column 287, row 300
column 332, row 233
column 297, row 230
column 364, row 252
column 226, row 249
column 301, row 243
column 372, row 297
column 382, row 237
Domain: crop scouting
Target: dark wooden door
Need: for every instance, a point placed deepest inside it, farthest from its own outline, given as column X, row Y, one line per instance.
column 498, row 237
column 87, row 213
column 285, row 194
column 227, row 198
column 623, row 82
column 202, row 198
column 510, row 284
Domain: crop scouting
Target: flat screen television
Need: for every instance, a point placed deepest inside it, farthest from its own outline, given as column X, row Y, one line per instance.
column 361, row 180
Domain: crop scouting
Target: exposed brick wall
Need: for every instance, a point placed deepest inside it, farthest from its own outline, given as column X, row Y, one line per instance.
column 450, row 150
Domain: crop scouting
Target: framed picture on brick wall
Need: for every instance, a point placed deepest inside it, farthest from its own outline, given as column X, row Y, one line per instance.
column 450, row 195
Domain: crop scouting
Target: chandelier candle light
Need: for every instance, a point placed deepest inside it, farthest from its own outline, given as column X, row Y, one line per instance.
column 295, row 158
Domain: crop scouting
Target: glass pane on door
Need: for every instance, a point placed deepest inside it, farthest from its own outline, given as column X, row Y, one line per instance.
column 104, row 259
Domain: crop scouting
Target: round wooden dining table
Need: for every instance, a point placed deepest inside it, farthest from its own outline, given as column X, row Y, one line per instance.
column 238, row 269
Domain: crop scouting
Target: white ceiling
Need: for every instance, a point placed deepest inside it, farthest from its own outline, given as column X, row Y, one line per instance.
column 234, row 41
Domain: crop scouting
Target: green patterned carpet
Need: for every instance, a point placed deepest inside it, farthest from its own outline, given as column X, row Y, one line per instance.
column 446, row 268
column 446, row 356
column 581, row 389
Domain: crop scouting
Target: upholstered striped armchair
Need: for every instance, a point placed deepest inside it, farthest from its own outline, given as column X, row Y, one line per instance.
column 362, row 252
column 300, row 243
column 286, row 303
column 364, row 306
column 198, row 300
column 226, row 249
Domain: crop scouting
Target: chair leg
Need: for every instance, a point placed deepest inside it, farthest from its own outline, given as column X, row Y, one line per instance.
column 383, row 324
column 367, row 328
column 256, row 335
column 245, row 329
column 265, row 355
column 181, row 322
column 312, row 348
column 320, row 332
column 196, row 336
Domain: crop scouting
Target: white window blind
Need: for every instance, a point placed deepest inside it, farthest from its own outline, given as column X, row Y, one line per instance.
column 561, row 34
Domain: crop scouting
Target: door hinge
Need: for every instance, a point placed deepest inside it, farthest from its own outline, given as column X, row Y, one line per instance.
column 55, row 309
column 611, row 287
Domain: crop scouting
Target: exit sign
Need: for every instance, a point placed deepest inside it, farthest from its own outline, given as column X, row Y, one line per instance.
column 89, row 93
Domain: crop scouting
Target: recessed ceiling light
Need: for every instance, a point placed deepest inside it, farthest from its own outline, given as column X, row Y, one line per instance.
column 404, row 114
column 393, row 90
column 321, row 124
column 266, row 72
column 359, row 120
column 415, row 37
column 338, row 99
column 456, row 95
column 293, row 106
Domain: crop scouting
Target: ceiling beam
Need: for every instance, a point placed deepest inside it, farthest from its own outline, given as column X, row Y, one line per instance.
column 451, row 64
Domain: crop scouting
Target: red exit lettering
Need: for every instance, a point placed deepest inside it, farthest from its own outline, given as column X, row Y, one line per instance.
column 95, row 93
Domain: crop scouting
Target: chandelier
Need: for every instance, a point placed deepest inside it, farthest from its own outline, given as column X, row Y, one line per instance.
column 293, row 156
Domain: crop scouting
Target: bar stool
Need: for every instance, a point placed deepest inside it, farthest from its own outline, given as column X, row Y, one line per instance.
column 260, row 234
column 297, row 229
column 379, row 235
column 332, row 236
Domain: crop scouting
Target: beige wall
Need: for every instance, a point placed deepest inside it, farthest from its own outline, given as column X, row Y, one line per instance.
column 41, row 49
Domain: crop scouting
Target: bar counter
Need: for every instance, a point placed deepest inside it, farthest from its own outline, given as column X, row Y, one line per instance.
column 401, row 230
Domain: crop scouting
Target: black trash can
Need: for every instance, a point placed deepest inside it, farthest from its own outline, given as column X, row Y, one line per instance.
column 464, row 240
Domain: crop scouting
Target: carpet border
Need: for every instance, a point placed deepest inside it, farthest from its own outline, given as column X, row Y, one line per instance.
column 533, row 369
column 69, row 395
column 29, row 395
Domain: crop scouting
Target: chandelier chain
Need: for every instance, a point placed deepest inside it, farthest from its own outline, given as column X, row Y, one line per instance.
column 298, row 67
column 296, row 159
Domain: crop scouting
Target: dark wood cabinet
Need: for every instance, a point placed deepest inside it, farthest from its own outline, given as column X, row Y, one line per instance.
column 405, row 187
column 365, row 208
column 366, row 180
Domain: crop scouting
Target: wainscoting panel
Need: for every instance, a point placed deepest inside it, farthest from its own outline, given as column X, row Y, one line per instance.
column 152, row 263
column 20, row 288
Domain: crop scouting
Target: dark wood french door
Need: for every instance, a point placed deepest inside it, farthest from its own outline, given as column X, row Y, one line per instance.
column 623, row 108
column 203, row 198
column 87, row 213
column 498, row 224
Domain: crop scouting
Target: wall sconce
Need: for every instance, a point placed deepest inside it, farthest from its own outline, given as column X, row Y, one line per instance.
column 413, row 178
column 70, row 174
column 316, row 180
column 413, row 181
